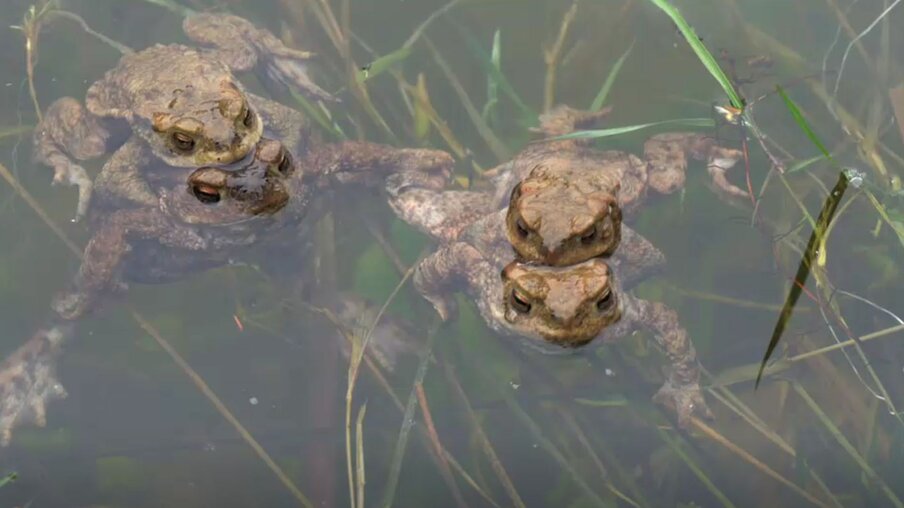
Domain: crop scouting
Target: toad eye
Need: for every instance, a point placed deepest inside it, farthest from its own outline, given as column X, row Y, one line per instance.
column 589, row 235
column 605, row 303
column 522, row 228
column 206, row 194
column 519, row 303
column 248, row 118
column 285, row 164
column 183, row 142
column 516, row 193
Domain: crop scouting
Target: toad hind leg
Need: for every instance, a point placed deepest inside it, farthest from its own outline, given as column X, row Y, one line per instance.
column 243, row 46
column 563, row 119
column 681, row 391
column 68, row 131
column 666, row 157
column 121, row 182
column 103, row 257
column 637, row 258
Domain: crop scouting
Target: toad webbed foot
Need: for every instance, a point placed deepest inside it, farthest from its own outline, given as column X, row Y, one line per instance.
column 28, row 382
column 70, row 173
column 68, row 132
column 681, row 390
column 686, row 401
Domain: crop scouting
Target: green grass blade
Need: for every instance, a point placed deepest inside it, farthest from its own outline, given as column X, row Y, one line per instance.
column 804, row 164
column 380, row 65
column 172, row 6
column 492, row 82
column 803, row 124
column 384, row 63
column 486, row 61
column 9, row 478
column 803, row 270
column 706, row 58
column 600, row 98
column 617, row 131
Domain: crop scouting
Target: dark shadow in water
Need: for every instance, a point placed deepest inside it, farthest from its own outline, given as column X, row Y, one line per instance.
column 803, row 270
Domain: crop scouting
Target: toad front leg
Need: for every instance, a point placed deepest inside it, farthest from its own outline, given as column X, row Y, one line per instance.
column 68, row 131
column 243, row 47
column 440, row 214
column 681, row 390
column 439, row 275
column 371, row 163
column 122, row 182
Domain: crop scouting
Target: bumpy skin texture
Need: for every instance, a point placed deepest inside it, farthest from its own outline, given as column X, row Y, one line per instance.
column 178, row 105
column 566, row 305
column 201, row 218
column 566, row 199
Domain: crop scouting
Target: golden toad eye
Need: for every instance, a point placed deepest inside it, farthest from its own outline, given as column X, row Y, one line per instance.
column 523, row 231
column 519, row 303
column 206, row 194
column 285, row 163
column 588, row 236
column 248, row 118
column 183, row 142
column 516, row 193
column 605, row 303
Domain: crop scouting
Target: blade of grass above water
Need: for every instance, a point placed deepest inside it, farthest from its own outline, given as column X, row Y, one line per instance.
column 803, row 270
column 706, row 58
column 600, row 98
column 617, row 131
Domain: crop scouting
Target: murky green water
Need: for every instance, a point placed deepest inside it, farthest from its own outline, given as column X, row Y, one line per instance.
column 573, row 430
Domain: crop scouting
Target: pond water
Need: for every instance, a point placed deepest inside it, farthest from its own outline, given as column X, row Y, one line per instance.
column 488, row 424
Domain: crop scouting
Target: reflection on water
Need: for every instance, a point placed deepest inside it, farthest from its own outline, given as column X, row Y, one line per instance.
column 480, row 422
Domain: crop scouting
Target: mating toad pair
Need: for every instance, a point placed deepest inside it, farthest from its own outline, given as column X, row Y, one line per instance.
column 559, row 204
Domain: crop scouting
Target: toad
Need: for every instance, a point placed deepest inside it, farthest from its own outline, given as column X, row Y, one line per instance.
column 202, row 218
column 565, row 199
column 552, row 307
column 175, row 105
